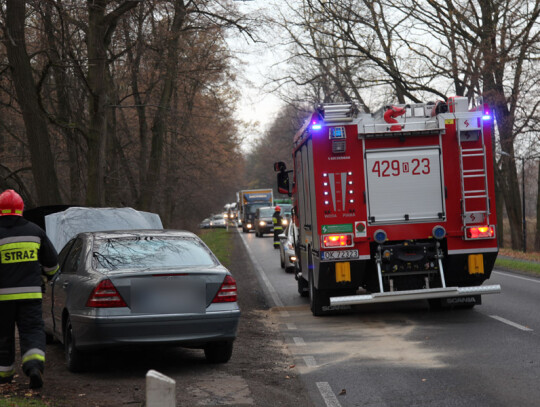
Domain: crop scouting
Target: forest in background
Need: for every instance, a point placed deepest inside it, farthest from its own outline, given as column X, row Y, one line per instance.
column 120, row 103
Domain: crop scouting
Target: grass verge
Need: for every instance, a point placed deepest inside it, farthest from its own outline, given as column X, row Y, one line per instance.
column 19, row 402
column 517, row 265
column 220, row 242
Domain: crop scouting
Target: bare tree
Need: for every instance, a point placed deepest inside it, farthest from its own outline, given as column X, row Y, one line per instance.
column 101, row 26
column 37, row 134
column 420, row 49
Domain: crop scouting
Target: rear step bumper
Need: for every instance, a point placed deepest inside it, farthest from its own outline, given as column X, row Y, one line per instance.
column 415, row 295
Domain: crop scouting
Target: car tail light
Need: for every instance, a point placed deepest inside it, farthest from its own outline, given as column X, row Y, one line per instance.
column 105, row 295
column 480, row 232
column 337, row 240
column 227, row 291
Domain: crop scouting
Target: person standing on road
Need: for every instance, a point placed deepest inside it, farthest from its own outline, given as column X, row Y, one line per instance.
column 26, row 253
column 278, row 227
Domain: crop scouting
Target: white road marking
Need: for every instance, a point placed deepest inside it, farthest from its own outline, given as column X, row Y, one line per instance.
column 269, row 286
column 299, row 341
column 310, row 361
column 507, row 322
column 291, row 327
column 533, row 280
column 328, row 395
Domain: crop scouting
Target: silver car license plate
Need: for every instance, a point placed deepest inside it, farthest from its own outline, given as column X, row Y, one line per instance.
column 179, row 295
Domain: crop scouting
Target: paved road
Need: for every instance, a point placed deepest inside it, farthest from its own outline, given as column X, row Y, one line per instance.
column 403, row 354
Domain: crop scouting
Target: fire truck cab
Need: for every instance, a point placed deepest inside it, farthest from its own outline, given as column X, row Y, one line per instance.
column 395, row 205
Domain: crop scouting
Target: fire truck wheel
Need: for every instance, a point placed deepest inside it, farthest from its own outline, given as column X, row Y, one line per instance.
column 317, row 298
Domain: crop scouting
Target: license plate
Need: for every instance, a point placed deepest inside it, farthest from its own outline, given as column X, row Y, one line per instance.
column 162, row 296
column 339, row 255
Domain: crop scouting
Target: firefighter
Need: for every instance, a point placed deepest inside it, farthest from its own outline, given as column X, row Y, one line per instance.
column 25, row 255
column 278, row 227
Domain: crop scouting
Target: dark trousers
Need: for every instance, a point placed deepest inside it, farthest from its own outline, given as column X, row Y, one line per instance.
column 277, row 232
column 26, row 315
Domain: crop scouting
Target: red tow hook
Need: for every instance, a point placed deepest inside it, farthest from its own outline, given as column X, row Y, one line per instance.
column 391, row 114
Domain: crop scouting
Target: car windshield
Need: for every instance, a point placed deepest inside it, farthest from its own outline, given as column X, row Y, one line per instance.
column 149, row 252
column 266, row 212
column 286, row 209
column 253, row 207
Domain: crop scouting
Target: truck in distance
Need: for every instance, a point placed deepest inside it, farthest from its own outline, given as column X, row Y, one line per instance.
column 248, row 202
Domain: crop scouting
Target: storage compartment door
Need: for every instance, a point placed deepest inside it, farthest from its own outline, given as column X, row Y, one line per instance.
column 404, row 185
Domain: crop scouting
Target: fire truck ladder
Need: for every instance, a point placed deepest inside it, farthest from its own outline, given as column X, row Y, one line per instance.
column 469, row 169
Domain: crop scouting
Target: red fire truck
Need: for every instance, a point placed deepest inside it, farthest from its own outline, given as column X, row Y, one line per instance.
column 392, row 206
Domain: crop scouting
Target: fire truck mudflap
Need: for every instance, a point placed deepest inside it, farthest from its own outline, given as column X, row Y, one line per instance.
column 394, row 205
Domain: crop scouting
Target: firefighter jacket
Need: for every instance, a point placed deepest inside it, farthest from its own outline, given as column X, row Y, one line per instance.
column 276, row 220
column 26, row 253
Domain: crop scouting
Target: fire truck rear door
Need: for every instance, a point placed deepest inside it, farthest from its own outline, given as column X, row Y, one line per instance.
column 404, row 185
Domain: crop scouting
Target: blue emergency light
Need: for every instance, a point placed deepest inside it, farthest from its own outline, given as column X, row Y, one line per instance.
column 316, row 126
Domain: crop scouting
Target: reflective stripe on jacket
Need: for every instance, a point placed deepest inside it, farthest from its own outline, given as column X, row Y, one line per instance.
column 26, row 253
column 276, row 220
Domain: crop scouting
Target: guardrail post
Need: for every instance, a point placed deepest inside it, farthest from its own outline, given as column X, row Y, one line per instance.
column 160, row 390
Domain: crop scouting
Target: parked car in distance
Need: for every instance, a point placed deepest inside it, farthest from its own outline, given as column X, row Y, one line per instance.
column 144, row 287
column 205, row 223
column 263, row 220
column 218, row 221
column 287, row 255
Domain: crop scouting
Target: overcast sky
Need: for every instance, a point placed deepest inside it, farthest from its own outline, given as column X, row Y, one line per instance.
column 257, row 61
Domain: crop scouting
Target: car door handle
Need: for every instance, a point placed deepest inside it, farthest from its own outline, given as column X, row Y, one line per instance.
column 65, row 284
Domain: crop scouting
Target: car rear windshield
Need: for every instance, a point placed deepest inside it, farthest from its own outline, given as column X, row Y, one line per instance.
column 149, row 252
column 266, row 212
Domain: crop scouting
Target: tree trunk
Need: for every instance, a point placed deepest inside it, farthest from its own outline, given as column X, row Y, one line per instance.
column 100, row 29
column 159, row 128
column 64, row 108
column 45, row 179
column 499, row 204
column 97, row 136
column 134, row 54
column 537, row 236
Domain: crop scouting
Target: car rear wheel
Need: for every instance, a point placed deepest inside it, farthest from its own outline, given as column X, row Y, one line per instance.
column 282, row 259
column 218, row 352
column 75, row 359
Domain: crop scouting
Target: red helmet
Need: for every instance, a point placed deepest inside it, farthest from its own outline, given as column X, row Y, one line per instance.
column 11, row 203
column 278, row 209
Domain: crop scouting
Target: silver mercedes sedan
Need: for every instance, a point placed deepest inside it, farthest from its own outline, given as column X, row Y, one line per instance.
column 140, row 287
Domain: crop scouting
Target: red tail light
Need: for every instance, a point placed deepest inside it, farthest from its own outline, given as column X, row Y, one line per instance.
column 333, row 241
column 480, row 232
column 227, row 291
column 105, row 295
